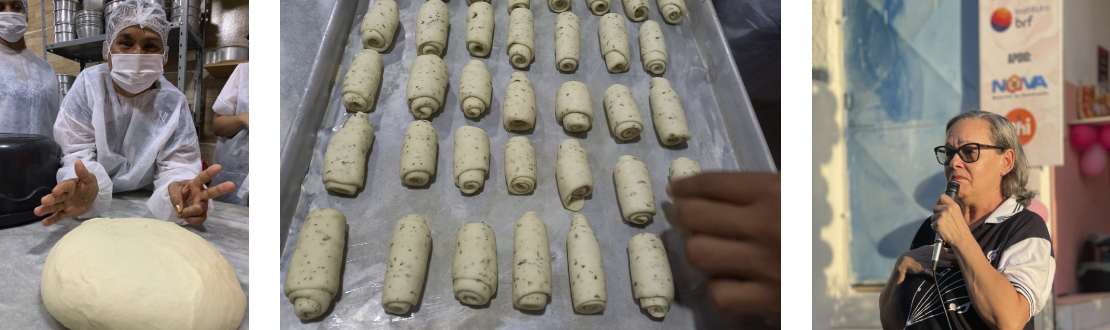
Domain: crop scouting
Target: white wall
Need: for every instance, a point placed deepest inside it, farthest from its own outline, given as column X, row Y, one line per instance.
column 1086, row 26
column 836, row 304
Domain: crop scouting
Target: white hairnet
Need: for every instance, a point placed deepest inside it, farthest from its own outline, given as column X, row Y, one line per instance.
column 136, row 12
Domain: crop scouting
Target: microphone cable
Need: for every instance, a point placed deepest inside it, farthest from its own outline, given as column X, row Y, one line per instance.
column 940, row 298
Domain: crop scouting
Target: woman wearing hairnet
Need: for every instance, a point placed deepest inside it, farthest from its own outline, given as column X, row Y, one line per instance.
column 123, row 127
column 232, row 125
column 28, row 87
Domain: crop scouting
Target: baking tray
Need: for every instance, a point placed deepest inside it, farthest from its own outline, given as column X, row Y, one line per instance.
column 24, row 248
column 725, row 137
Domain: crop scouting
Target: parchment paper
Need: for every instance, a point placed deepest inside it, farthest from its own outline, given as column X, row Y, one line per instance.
column 373, row 211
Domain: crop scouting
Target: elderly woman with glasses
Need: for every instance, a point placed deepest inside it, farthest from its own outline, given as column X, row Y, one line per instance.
column 996, row 268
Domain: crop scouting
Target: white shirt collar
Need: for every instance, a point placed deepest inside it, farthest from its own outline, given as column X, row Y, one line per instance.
column 1004, row 211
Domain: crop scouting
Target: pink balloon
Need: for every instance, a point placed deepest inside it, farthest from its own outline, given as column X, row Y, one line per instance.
column 1037, row 207
column 1093, row 161
column 1104, row 136
column 1083, row 136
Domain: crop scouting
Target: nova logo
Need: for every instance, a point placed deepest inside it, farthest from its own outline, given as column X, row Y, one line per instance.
column 1015, row 84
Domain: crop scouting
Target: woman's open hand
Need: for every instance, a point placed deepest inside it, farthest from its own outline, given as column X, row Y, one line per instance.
column 734, row 221
column 70, row 198
column 192, row 197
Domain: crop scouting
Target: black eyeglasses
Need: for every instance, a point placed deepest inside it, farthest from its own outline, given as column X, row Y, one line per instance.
column 968, row 152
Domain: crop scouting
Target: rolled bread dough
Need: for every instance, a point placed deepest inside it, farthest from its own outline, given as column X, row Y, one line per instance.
column 568, row 37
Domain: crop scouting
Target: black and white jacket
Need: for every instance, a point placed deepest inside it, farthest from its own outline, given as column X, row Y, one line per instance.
column 1016, row 243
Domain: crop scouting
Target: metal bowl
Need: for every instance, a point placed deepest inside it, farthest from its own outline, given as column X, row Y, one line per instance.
column 64, row 86
column 182, row 3
column 63, row 89
column 64, row 36
column 229, row 53
column 89, row 18
column 210, row 57
column 88, row 21
column 81, row 24
column 70, row 28
column 66, row 5
column 65, row 78
column 90, row 14
column 89, row 31
column 178, row 11
column 64, row 16
column 110, row 6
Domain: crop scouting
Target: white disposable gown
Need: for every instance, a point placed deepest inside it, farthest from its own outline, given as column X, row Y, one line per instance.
column 29, row 95
column 233, row 154
column 145, row 142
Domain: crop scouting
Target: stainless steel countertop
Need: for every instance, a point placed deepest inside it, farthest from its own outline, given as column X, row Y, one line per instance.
column 24, row 248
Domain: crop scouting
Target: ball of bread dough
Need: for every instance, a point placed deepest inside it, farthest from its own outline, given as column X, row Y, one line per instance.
column 140, row 274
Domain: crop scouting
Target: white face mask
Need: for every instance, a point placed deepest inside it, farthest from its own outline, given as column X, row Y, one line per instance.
column 136, row 72
column 12, row 26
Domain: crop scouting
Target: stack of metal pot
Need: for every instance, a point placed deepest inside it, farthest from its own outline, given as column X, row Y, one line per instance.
column 89, row 23
column 65, row 81
column 184, row 11
column 65, row 11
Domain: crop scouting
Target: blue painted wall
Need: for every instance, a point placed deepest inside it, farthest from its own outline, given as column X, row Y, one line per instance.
column 910, row 65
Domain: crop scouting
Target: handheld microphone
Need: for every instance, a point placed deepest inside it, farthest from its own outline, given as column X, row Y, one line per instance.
column 938, row 243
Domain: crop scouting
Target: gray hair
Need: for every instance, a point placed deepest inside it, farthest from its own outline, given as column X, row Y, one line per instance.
column 1005, row 137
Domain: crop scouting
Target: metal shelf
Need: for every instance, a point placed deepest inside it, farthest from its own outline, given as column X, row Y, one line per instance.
column 195, row 42
column 222, row 70
column 83, row 51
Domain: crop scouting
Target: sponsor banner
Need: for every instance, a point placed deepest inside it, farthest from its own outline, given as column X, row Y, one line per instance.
column 1021, row 72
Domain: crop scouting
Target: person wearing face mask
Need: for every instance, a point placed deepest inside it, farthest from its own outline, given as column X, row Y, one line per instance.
column 124, row 127
column 29, row 93
column 232, row 125
column 997, row 268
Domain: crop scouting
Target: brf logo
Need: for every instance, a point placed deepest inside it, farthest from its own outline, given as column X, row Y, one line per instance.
column 1001, row 20
column 1016, row 83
